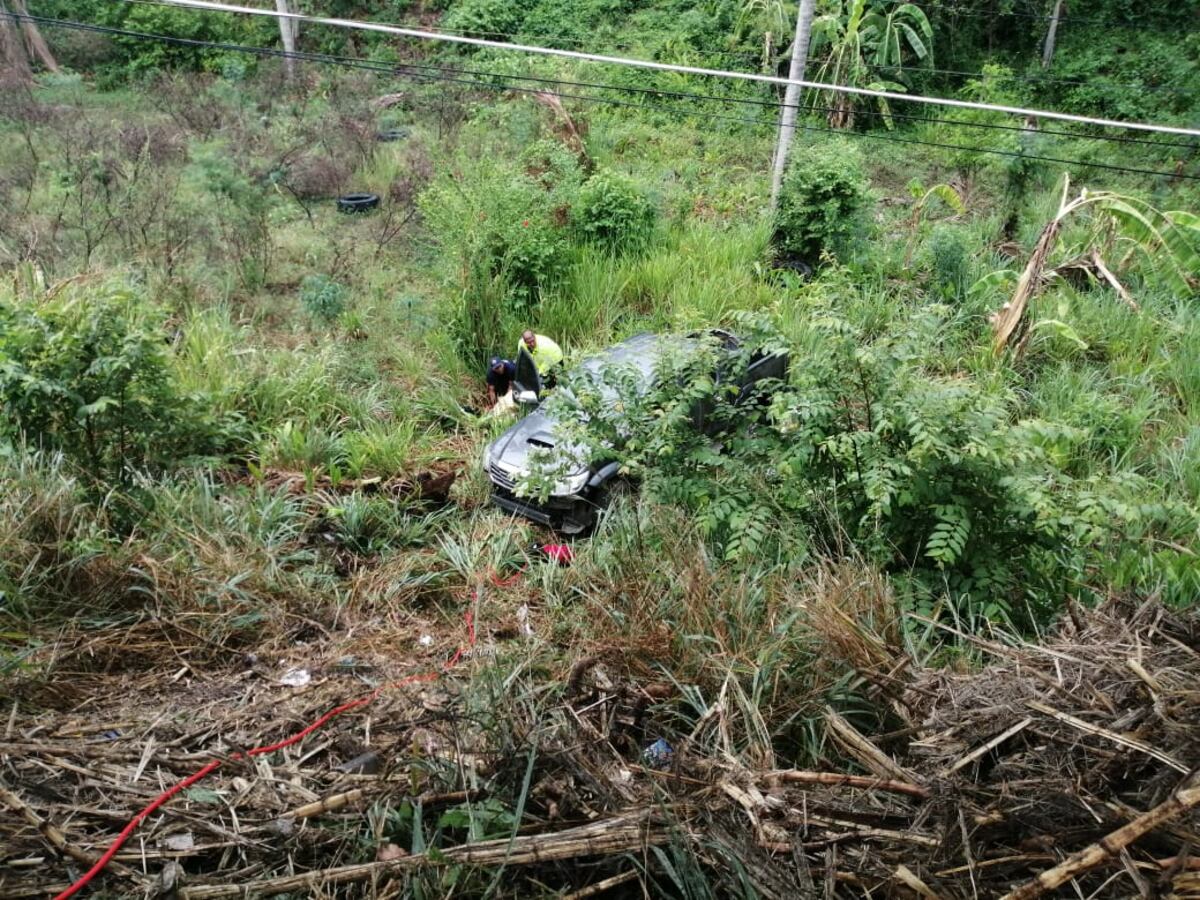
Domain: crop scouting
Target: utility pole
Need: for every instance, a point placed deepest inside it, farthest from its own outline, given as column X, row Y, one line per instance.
column 1051, row 34
column 288, row 31
column 791, row 98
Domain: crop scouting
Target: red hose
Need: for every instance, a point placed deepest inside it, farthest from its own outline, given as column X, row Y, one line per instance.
column 210, row 766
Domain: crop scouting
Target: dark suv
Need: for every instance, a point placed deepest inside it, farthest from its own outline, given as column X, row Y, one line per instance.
column 578, row 495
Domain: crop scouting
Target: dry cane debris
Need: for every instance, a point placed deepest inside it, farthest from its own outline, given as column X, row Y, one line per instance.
column 1067, row 767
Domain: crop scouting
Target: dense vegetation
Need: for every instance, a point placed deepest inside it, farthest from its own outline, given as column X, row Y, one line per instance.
column 187, row 323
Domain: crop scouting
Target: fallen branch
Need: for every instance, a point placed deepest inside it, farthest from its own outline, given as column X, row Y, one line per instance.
column 1109, row 735
column 865, row 753
column 53, row 835
column 796, row 776
column 1108, row 846
column 993, row 743
column 1108, row 276
column 607, row 838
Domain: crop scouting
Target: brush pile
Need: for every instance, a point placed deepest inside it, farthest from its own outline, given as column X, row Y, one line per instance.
column 1068, row 765
column 1065, row 767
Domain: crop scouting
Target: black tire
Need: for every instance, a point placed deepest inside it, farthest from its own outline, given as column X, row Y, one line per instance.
column 357, row 203
column 793, row 264
column 388, row 135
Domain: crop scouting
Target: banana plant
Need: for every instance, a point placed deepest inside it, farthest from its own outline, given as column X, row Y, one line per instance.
column 946, row 193
column 1165, row 243
column 863, row 39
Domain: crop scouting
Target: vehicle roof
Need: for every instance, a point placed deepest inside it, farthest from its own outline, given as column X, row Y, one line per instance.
column 642, row 350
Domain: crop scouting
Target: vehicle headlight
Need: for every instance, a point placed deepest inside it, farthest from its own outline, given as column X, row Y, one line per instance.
column 488, row 458
column 572, row 484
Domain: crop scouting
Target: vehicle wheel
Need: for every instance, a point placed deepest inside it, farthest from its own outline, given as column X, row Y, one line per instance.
column 389, row 135
column 357, row 203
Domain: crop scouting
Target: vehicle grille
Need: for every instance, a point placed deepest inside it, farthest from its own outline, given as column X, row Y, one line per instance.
column 501, row 477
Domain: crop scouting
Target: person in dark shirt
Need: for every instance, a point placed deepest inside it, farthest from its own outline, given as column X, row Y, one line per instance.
column 501, row 373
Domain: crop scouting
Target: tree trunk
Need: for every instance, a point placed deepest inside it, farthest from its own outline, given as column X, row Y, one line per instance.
column 1051, row 35
column 13, row 58
column 288, row 32
column 34, row 42
column 791, row 99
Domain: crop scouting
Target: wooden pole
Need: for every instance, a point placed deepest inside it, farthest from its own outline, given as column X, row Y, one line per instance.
column 1108, row 846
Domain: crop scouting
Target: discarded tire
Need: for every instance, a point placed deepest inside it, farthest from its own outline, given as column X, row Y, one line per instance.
column 358, row 203
column 793, row 264
column 393, row 134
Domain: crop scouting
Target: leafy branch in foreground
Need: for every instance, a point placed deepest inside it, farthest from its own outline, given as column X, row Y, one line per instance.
column 929, row 475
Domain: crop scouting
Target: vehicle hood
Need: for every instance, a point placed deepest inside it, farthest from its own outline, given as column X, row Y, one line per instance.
column 536, row 433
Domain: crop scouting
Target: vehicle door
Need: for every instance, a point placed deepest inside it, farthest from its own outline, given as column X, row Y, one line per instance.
column 527, row 381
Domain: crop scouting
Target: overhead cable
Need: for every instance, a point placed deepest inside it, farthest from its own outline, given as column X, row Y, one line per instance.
column 441, row 74
column 421, row 34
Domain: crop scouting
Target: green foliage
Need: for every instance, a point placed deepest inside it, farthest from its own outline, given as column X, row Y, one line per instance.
column 130, row 56
column 88, row 374
column 322, row 297
column 931, row 476
column 866, row 44
column 950, row 258
column 613, row 212
column 823, row 196
column 504, row 239
column 491, row 19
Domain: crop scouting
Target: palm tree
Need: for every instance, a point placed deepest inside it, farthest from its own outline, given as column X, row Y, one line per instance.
column 867, row 44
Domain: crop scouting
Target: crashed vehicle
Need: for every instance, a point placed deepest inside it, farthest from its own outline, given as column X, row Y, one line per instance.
column 538, row 440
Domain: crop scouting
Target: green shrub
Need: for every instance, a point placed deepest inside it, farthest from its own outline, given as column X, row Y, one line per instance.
column 950, row 258
column 932, row 477
column 614, row 212
column 822, row 199
column 88, row 374
column 492, row 19
column 504, row 239
column 323, row 297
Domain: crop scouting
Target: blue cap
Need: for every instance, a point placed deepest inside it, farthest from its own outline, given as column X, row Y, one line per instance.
column 495, row 362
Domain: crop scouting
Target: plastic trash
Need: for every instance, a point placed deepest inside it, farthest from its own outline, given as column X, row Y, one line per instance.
column 523, row 625
column 296, row 678
column 426, row 640
column 363, row 764
column 181, row 842
column 559, row 553
column 658, row 755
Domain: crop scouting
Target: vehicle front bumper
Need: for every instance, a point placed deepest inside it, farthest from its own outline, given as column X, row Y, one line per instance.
column 563, row 513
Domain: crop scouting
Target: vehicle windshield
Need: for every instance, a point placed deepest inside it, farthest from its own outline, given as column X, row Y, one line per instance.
column 636, row 357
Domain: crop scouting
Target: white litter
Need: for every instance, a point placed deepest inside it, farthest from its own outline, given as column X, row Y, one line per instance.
column 426, row 640
column 181, row 841
column 523, row 621
column 296, row 678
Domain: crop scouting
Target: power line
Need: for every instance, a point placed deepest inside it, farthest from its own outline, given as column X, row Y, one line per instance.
column 755, row 55
column 1044, row 79
column 1063, row 19
column 383, row 68
column 556, row 38
column 686, row 95
column 682, row 69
